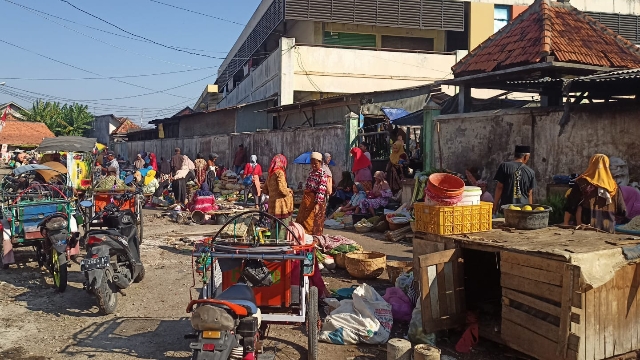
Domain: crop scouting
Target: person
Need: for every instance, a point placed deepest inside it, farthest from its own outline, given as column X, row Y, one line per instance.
column 280, row 196
column 595, row 198
column 100, row 157
column 212, row 170
column 516, row 180
column 361, row 168
column 365, row 149
column 239, row 159
column 139, row 163
column 200, row 168
column 153, row 162
column 631, row 198
column 253, row 170
column 344, row 191
column 325, row 167
column 112, row 162
column 176, row 161
column 192, row 169
column 180, row 180
column 203, row 200
column 379, row 196
column 359, row 195
column 111, row 181
column 486, row 196
column 150, row 183
column 312, row 209
column 395, row 172
column 165, row 169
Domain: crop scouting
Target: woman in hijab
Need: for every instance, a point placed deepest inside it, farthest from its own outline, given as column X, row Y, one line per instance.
column 344, row 191
column 212, row 169
column 165, row 169
column 253, row 170
column 359, row 195
column 203, row 200
column 153, row 162
column 311, row 213
column 631, row 198
column 139, row 163
column 595, row 198
column 361, row 168
column 280, row 196
column 395, row 166
column 379, row 196
column 200, row 169
column 150, row 183
column 179, row 185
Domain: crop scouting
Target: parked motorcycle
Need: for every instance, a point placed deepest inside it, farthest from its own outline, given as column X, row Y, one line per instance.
column 53, row 252
column 113, row 254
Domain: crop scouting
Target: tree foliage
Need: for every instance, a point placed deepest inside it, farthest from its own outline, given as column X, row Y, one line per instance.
column 66, row 120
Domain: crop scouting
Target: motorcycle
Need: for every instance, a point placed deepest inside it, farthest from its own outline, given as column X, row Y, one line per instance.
column 113, row 254
column 53, row 253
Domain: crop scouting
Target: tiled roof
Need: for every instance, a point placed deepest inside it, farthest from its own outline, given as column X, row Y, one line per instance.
column 24, row 133
column 126, row 125
column 550, row 28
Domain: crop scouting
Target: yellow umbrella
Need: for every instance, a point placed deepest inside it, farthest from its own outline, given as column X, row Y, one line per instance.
column 100, row 147
column 57, row 167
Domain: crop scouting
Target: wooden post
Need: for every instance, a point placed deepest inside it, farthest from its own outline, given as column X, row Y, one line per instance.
column 398, row 349
column 430, row 113
column 426, row 352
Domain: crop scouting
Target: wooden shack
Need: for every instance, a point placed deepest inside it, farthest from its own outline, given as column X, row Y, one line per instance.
column 551, row 293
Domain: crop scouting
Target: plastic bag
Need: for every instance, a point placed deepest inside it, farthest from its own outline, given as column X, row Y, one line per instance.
column 406, row 283
column 401, row 306
column 365, row 319
column 416, row 334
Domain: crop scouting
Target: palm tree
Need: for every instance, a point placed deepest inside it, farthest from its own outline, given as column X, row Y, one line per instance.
column 68, row 120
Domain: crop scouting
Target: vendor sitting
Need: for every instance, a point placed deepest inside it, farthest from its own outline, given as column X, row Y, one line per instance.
column 379, row 196
column 203, row 200
column 343, row 192
column 112, row 181
column 359, row 195
column 150, row 183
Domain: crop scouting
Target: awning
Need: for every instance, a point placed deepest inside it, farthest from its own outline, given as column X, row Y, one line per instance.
column 67, row 143
column 413, row 119
column 394, row 113
column 31, row 167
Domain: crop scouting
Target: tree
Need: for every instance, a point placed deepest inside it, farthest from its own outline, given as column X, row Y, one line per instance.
column 68, row 120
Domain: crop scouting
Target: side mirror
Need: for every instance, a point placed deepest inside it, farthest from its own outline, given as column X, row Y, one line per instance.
column 86, row 203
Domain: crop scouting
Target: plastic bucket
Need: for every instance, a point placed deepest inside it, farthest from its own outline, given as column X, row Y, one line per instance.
column 198, row 217
column 443, row 184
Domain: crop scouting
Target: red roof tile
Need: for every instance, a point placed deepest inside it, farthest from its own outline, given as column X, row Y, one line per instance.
column 24, row 133
column 126, row 126
column 550, row 28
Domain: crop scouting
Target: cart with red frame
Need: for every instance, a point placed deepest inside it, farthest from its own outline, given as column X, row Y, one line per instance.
column 290, row 262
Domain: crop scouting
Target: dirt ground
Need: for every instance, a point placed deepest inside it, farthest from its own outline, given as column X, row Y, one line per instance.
column 150, row 322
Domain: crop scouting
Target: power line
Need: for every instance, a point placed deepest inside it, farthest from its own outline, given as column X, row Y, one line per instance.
column 81, row 69
column 108, row 77
column 199, row 13
column 138, row 36
column 101, row 30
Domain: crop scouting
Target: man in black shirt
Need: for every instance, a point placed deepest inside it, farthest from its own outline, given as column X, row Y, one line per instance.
column 515, row 180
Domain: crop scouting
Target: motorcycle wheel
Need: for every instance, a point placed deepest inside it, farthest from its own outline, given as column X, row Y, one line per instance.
column 107, row 298
column 140, row 225
column 313, row 324
column 140, row 276
column 58, row 271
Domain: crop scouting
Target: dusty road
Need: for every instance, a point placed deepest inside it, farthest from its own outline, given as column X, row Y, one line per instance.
column 38, row 323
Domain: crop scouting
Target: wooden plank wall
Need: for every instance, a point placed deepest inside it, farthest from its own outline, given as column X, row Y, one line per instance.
column 612, row 316
column 538, row 303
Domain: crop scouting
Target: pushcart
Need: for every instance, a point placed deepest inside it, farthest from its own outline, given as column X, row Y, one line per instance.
column 100, row 199
column 256, row 249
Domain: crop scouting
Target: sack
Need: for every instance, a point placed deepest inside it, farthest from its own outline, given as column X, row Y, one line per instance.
column 257, row 273
column 365, row 319
column 416, row 334
column 248, row 181
column 401, row 306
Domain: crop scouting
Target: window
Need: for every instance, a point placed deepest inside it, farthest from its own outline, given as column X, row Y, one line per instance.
column 501, row 16
column 349, row 39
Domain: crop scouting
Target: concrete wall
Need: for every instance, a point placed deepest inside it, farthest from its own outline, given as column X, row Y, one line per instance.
column 249, row 118
column 103, row 126
column 486, row 139
column 265, row 145
column 212, row 123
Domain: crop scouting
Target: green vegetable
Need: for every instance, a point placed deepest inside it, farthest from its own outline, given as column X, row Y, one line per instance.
column 556, row 202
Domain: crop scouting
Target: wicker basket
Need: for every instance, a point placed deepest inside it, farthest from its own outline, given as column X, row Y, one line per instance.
column 396, row 268
column 363, row 229
column 366, row 264
column 340, row 259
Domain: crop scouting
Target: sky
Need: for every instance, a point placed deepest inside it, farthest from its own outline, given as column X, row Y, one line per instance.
column 106, row 51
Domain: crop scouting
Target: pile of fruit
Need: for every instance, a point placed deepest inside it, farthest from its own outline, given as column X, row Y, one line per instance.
column 526, row 208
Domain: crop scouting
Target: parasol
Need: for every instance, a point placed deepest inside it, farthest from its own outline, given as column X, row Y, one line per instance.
column 56, row 169
column 306, row 159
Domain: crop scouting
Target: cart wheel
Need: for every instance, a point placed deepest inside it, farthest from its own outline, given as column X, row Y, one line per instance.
column 313, row 324
column 59, row 271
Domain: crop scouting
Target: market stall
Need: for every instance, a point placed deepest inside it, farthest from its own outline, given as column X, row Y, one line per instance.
column 551, row 293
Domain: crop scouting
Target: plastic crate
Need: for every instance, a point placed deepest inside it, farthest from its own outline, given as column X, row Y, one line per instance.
column 449, row 220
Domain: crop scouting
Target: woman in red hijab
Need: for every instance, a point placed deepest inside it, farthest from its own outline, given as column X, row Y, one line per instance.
column 361, row 168
column 153, row 162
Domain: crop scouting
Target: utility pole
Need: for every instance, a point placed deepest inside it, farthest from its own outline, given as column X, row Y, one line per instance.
column 141, row 116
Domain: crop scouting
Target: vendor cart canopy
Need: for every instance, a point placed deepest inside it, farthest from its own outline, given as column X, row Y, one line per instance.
column 31, row 167
column 67, row 143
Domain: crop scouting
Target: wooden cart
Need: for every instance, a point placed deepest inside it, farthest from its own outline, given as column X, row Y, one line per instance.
column 537, row 280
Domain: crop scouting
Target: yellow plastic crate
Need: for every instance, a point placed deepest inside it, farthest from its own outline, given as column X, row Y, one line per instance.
column 449, row 220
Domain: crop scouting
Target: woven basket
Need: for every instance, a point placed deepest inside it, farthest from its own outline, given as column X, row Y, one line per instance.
column 366, row 264
column 340, row 259
column 363, row 229
column 396, row 268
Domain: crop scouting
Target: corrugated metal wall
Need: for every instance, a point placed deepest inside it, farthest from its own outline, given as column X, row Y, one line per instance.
column 290, row 143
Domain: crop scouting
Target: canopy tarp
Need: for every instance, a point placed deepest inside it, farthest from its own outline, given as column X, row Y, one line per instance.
column 394, row 113
column 56, row 169
column 32, row 167
column 68, row 144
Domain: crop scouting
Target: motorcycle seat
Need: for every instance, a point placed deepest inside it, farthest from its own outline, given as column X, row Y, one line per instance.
column 240, row 294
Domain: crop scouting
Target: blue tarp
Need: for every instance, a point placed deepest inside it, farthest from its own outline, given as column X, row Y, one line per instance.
column 306, row 159
column 394, row 113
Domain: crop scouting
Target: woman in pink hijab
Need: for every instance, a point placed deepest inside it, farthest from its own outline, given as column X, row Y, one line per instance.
column 631, row 198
